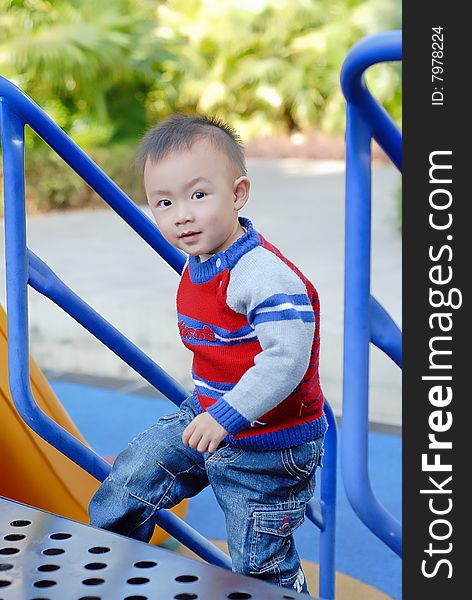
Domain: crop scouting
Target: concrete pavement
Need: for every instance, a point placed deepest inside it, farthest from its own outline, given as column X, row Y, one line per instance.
column 296, row 204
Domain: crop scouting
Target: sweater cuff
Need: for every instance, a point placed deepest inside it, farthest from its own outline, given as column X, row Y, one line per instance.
column 228, row 417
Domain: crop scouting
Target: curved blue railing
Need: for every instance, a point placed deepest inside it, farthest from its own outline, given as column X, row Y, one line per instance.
column 365, row 320
column 24, row 268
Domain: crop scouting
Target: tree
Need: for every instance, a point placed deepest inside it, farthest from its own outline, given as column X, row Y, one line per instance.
column 85, row 62
column 265, row 65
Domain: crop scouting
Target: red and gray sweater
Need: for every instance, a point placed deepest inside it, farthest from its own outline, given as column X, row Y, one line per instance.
column 251, row 319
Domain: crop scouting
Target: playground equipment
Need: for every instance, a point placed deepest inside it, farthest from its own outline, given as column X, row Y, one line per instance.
column 46, row 557
column 34, row 472
column 365, row 320
column 24, row 268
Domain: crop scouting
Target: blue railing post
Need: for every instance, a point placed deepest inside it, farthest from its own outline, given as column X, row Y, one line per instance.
column 328, row 507
column 365, row 320
column 21, row 266
column 25, row 268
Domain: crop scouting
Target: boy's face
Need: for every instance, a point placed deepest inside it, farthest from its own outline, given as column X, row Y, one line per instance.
column 195, row 196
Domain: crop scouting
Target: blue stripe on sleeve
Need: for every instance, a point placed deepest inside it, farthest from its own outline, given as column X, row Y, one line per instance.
column 284, row 315
column 277, row 299
column 281, row 298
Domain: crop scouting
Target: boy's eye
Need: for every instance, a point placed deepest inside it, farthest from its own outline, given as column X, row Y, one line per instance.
column 199, row 196
column 161, row 202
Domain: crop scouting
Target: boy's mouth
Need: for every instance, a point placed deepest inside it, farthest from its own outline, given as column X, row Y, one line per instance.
column 190, row 235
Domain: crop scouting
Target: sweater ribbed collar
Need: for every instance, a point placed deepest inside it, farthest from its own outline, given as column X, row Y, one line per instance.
column 200, row 272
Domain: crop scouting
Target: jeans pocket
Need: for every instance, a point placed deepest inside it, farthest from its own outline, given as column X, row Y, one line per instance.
column 271, row 534
column 299, row 461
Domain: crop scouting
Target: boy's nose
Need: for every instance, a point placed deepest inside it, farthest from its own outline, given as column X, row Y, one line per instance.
column 183, row 216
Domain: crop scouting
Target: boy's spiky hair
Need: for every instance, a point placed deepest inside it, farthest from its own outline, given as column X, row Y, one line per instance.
column 180, row 131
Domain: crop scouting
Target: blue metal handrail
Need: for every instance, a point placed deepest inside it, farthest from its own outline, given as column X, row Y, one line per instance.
column 323, row 513
column 23, row 268
column 365, row 320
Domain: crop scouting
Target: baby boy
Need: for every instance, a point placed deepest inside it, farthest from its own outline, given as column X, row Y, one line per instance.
column 253, row 427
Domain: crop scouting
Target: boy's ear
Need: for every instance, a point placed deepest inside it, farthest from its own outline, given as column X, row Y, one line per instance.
column 241, row 187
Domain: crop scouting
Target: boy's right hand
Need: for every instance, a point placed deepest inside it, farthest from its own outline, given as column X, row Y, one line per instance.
column 204, row 433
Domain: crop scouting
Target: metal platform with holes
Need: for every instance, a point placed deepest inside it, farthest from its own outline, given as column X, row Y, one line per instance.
column 47, row 557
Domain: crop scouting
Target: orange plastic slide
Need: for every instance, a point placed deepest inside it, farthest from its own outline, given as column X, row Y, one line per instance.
column 32, row 471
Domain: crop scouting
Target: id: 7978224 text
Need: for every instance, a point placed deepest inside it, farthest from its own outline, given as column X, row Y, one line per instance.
column 437, row 66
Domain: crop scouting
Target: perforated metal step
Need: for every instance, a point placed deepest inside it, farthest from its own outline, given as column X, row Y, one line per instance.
column 46, row 557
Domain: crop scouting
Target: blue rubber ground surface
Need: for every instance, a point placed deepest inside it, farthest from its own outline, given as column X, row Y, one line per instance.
column 109, row 419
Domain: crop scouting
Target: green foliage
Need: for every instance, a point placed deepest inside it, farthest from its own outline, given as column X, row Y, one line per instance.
column 104, row 71
column 268, row 66
column 71, row 57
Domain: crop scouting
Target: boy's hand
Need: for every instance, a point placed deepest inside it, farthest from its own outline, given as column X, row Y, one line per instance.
column 204, row 433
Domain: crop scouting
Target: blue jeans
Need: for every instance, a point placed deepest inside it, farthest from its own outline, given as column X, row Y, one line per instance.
column 263, row 494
